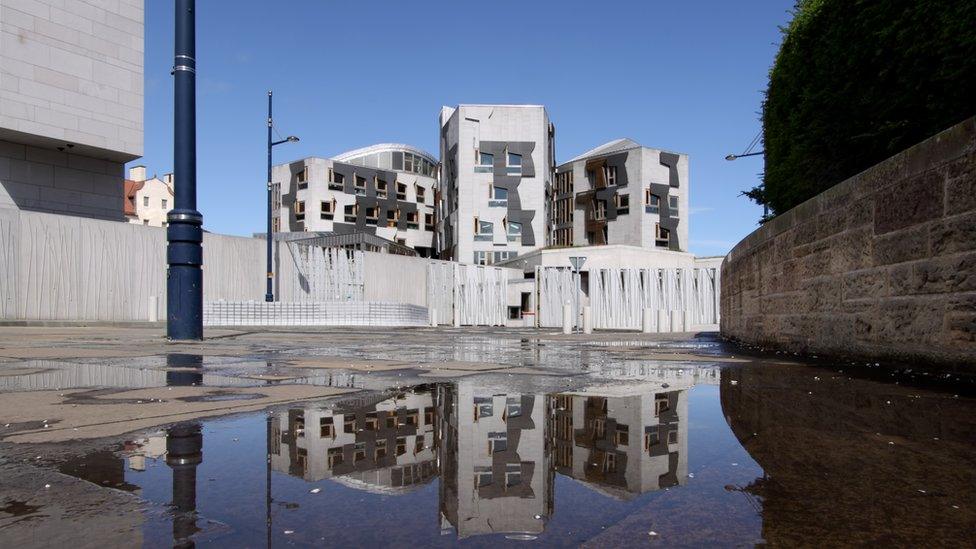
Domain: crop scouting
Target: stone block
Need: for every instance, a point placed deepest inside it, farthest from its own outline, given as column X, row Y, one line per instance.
column 872, row 283
column 860, row 213
column 953, row 235
column 917, row 320
column 960, row 329
column 961, row 188
column 946, row 275
column 910, row 202
column 905, row 245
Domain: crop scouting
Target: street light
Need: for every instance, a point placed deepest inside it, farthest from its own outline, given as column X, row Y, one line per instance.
column 732, row 157
column 269, row 294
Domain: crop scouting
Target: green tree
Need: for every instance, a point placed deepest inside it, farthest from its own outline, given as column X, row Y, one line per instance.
column 857, row 81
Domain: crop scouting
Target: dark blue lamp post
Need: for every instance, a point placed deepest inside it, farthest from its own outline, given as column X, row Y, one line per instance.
column 184, row 233
column 269, row 294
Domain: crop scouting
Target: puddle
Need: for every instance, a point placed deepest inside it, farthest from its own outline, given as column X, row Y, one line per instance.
column 632, row 452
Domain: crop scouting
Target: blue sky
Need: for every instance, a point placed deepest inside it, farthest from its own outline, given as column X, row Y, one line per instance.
column 682, row 76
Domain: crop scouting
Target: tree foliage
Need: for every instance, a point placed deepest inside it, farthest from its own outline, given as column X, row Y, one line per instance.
column 856, row 81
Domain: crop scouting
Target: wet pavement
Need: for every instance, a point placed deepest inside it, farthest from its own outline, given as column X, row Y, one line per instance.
column 474, row 437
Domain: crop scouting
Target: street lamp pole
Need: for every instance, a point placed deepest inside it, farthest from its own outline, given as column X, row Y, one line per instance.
column 184, row 232
column 731, row 157
column 269, row 292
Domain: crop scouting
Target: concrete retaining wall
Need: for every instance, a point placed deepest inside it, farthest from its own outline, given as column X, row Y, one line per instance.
column 57, row 267
column 882, row 265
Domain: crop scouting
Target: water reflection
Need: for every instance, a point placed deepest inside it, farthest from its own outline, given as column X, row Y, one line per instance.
column 496, row 453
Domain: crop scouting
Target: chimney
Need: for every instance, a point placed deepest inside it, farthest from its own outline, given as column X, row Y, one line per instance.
column 168, row 179
column 137, row 173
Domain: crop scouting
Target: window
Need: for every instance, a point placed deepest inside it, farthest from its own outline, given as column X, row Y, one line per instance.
column 299, row 210
column 514, row 229
column 349, row 211
column 653, row 202
column 401, row 446
column 392, row 217
column 661, row 404
column 497, row 442
column 486, row 227
column 651, row 438
column 482, row 405
column 145, row 201
column 600, row 209
column 610, row 172
column 145, row 221
column 302, row 176
column 380, row 451
column 421, row 194
column 673, row 206
column 673, row 437
column 359, row 453
column 408, row 162
column 662, row 236
column 372, row 421
column 350, row 425
column 623, row 204
column 514, row 166
column 499, row 193
column 502, row 256
column 486, row 162
column 429, row 415
column 326, row 428
column 360, row 185
column 513, row 474
column 401, row 191
column 429, row 222
column 372, row 215
column 299, row 427
column 513, row 407
column 335, row 457
column 480, row 258
column 621, row 436
column 482, row 476
column 381, row 188
column 336, row 180
column 164, row 202
column 413, row 220
column 327, row 209
column 610, row 464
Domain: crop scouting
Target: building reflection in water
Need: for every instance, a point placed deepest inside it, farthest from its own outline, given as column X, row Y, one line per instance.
column 496, row 453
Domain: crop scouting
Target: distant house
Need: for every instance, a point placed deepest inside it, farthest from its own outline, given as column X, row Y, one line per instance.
column 147, row 201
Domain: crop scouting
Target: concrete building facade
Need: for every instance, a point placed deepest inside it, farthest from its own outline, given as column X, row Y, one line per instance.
column 385, row 190
column 148, row 200
column 71, row 104
column 621, row 193
column 497, row 161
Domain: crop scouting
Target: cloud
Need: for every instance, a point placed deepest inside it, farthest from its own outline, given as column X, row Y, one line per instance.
column 702, row 209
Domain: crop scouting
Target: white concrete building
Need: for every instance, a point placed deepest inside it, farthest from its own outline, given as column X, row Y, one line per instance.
column 147, row 201
column 71, row 104
column 621, row 193
column 497, row 161
column 385, row 447
column 386, row 190
column 622, row 440
column 495, row 470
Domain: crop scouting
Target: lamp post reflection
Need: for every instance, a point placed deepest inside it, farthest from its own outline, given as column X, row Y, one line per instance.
column 184, row 452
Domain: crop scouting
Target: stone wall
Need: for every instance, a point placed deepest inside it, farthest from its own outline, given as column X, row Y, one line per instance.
column 883, row 265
